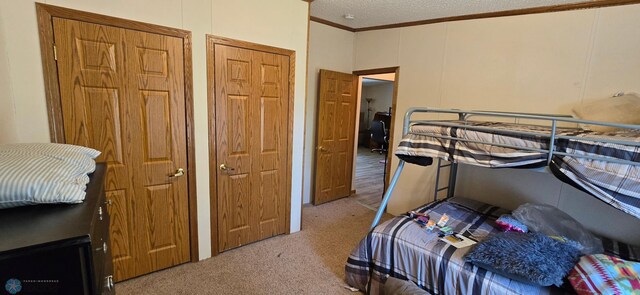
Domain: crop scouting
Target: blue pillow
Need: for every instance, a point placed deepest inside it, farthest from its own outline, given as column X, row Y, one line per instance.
column 526, row 257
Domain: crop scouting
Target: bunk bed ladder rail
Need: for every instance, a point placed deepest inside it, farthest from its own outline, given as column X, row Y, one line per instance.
column 453, row 172
column 451, row 183
column 437, row 189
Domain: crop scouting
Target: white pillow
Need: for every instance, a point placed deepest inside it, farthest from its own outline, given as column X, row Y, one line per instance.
column 82, row 158
column 35, row 179
column 623, row 109
column 43, row 173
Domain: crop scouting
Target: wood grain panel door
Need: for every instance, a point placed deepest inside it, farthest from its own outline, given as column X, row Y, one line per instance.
column 334, row 135
column 252, row 113
column 123, row 94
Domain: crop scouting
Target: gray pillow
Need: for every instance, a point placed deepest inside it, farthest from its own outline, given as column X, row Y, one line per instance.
column 531, row 258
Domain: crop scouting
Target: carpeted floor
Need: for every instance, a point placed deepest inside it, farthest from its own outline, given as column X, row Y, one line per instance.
column 307, row 262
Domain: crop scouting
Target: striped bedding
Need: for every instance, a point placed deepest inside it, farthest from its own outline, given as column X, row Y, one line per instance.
column 402, row 249
column 419, row 143
column 616, row 184
column 44, row 173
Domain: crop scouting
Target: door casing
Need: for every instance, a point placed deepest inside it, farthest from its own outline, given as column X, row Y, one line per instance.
column 213, row 191
column 45, row 15
column 394, row 103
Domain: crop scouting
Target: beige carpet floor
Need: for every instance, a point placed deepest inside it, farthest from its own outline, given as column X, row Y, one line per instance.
column 308, row 262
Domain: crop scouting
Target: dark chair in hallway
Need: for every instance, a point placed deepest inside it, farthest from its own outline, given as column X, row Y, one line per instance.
column 380, row 137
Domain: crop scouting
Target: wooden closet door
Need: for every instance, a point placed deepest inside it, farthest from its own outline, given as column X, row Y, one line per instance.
column 155, row 64
column 270, row 74
column 251, row 98
column 123, row 94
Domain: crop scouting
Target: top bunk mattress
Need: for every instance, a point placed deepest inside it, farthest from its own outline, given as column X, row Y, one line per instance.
column 613, row 183
column 482, row 148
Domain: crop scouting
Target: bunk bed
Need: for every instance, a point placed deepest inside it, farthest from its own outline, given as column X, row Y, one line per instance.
column 606, row 165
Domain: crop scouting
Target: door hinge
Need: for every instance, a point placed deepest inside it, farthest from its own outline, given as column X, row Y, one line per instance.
column 55, row 52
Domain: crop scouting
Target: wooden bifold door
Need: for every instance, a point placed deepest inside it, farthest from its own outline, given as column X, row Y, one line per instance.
column 249, row 142
column 122, row 91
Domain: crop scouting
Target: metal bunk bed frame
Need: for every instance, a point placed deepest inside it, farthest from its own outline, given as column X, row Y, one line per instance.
column 464, row 115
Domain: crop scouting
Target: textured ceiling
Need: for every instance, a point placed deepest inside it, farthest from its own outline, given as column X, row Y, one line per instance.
column 382, row 12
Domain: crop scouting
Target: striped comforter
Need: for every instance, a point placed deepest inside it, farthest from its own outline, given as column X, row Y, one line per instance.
column 616, row 184
column 402, row 249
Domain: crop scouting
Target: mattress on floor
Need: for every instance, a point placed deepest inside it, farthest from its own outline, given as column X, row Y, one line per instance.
column 402, row 249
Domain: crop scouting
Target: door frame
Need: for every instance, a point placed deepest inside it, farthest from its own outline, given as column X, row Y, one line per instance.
column 45, row 14
column 394, row 100
column 212, row 40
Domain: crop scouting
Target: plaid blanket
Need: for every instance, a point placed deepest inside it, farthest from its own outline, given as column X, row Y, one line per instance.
column 400, row 248
column 615, row 184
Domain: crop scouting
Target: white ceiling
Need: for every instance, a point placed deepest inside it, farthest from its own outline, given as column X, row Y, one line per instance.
column 382, row 12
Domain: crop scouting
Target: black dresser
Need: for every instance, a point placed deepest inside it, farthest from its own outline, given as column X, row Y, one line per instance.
column 58, row 249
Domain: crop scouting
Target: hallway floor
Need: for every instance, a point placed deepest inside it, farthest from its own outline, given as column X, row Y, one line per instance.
column 369, row 178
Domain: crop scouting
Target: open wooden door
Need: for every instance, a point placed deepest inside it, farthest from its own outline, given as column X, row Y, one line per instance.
column 335, row 132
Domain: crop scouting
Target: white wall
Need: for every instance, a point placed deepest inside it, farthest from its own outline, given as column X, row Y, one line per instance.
column 385, row 76
column 531, row 63
column 382, row 95
column 7, row 111
column 330, row 49
column 280, row 23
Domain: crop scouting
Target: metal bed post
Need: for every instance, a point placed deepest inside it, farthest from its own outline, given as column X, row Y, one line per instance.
column 387, row 194
column 437, row 188
column 453, row 170
column 552, row 142
column 396, row 175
